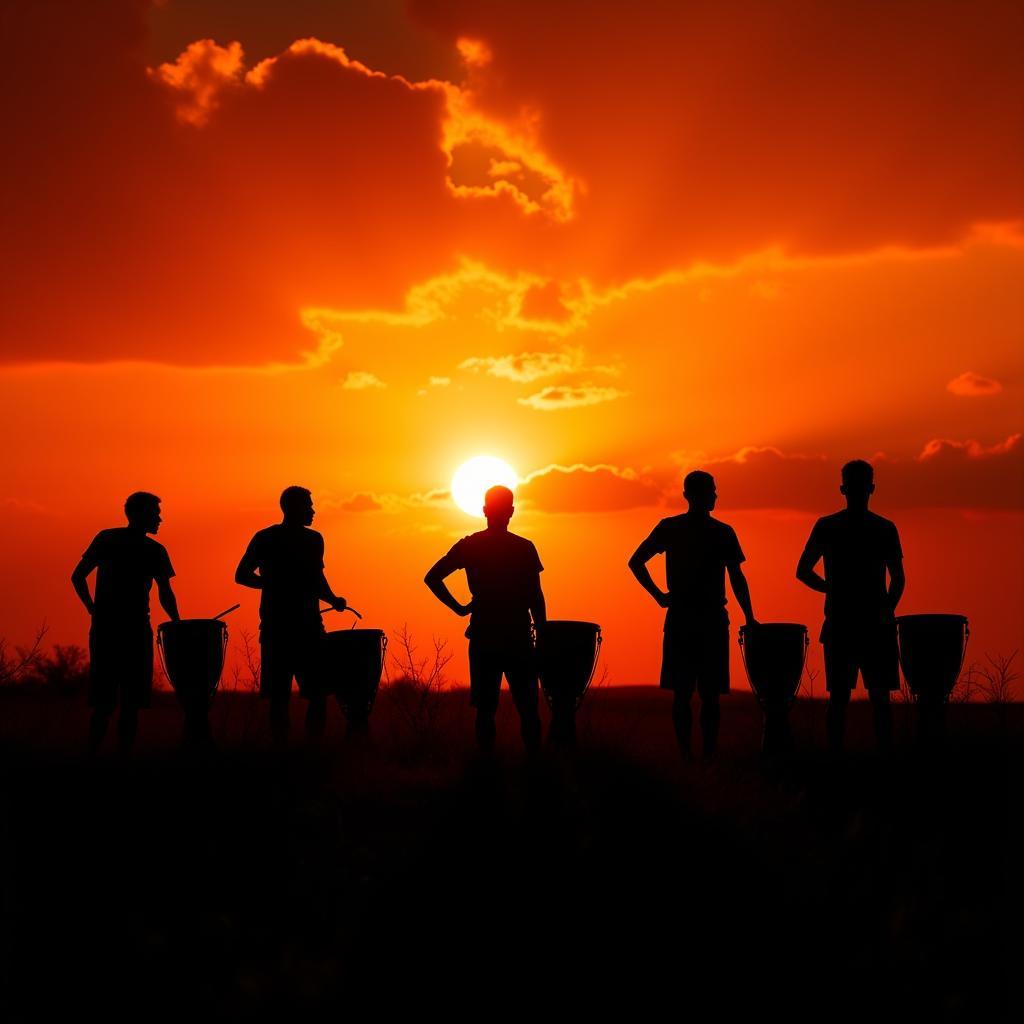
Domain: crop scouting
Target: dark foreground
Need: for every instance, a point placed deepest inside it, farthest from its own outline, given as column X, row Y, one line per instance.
column 402, row 874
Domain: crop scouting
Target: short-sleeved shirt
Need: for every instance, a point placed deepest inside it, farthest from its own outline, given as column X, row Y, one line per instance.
column 503, row 574
column 697, row 549
column 856, row 548
column 127, row 561
column 290, row 560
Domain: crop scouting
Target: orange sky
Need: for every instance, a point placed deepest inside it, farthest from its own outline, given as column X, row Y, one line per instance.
column 351, row 245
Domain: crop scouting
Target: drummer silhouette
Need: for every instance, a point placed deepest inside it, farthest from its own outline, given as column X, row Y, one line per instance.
column 859, row 632
column 699, row 550
column 127, row 561
column 503, row 571
column 286, row 563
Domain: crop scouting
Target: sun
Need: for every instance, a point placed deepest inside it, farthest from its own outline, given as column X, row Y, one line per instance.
column 474, row 476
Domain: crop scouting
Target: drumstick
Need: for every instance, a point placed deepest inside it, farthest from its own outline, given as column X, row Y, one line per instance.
column 227, row 610
column 347, row 608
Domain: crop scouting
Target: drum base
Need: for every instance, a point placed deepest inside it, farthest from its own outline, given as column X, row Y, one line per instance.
column 931, row 721
column 776, row 735
column 562, row 731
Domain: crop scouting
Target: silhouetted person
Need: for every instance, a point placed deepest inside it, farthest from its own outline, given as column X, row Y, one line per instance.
column 286, row 563
column 127, row 561
column 859, row 633
column 503, row 571
column 698, row 550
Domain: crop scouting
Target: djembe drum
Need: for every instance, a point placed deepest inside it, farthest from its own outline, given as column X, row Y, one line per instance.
column 192, row 654
column 774, row 654
column 351, row 664
column 567, row 653
column 932, row 650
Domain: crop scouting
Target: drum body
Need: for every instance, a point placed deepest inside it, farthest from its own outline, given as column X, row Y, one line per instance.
column 567, row 653
column 774, row 655
column 932, row 649
column 351, row 663
column 192, row 652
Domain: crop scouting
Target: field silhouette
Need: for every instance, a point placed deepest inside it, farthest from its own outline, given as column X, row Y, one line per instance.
column 402, row 872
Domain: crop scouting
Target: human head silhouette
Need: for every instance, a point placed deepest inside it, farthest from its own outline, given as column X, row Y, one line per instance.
column 297, row 506
column 699, row 491
column 498, row 505
column 858, row 483
column 142, row 511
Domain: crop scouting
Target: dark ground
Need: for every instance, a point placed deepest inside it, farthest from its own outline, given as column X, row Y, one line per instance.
column 404, row 875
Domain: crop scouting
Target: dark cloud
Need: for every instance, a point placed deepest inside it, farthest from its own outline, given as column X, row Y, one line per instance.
column 707, row 129
column 581, row 488
column 947, row 474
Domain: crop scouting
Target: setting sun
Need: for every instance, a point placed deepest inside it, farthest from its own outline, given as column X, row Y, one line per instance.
column 475, row 476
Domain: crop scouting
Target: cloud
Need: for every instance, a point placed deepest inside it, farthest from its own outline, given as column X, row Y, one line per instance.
column 651, row 108
column 186, row 213
column 945, row 474
column 439, row 382
column 571, row 396
column 525, row 367
column 361, row 380
column 973, row 385
column 201, row 72
column 361, row 503
column 583, row 488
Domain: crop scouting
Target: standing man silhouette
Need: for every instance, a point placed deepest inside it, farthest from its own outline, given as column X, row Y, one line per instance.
column 503, row 571
column 859, row 632
column 698, row 550
column 286, row 563
column 127, row 561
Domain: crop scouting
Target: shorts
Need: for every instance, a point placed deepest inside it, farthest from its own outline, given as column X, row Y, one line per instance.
column 872, row 651
column 488, row 663
column 696, row 657
column 120, row 666
column 284, row 659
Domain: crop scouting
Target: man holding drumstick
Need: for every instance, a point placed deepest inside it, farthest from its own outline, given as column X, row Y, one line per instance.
column 286, row 563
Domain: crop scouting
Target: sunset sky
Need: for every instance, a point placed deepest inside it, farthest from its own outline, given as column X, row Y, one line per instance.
column 351, row 245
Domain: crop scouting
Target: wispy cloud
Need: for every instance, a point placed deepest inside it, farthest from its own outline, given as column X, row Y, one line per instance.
column 361, row 380
column 571, row 397
column 973, row 385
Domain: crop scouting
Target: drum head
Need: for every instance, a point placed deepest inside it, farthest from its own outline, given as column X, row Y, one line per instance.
column 193, row 655
column 774, row 655
column 932, row 649
column 567, row 651
column 350, row 667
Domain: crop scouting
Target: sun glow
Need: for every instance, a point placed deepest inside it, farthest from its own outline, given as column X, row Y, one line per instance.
column 475, row 476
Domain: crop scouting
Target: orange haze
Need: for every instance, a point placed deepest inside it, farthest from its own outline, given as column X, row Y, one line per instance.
column 349, row 247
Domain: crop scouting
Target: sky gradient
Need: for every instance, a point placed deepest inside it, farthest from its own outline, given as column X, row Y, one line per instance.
column 350, row 246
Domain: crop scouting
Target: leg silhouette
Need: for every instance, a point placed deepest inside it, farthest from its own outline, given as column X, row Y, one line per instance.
column 98, row 728
column 835, row 718
column 682, row 720
column 883, row 717
column 127, row 727
column 710, row 715
column 316, row 718
column 279, row 720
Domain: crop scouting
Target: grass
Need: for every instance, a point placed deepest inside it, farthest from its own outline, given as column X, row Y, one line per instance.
column 404, row 874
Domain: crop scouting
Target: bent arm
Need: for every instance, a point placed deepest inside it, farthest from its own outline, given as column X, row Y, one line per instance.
column 435, row 580
column 897, row 581
column 326, row 594
column 167, row 599
column 741, row 590
column 805, row 571
column 538, row 606
column 638, row 567
column 246, row 574
column 80, row 581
